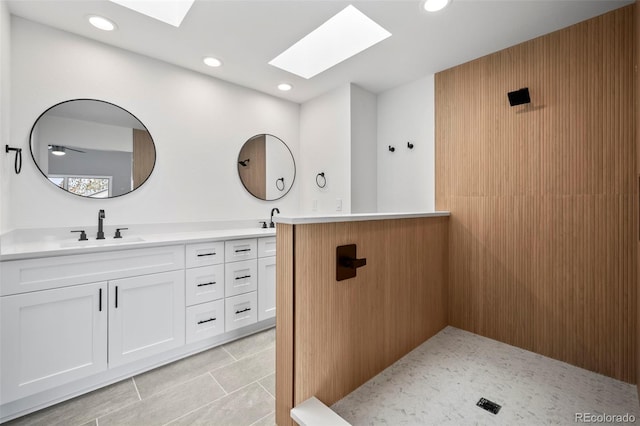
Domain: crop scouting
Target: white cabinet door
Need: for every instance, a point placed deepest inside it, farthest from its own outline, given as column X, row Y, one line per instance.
column 52, row 337
column 266, row 288
column 146, row 316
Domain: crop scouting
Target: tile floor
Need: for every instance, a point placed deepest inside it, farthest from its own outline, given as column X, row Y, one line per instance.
column 233, row 384
column 440, row 381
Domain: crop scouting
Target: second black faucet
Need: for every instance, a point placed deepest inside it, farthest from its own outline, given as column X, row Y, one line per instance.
column 101, row 217
column 271, row 224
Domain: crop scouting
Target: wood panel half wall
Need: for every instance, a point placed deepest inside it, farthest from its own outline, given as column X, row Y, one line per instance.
column 333, row 336
column 543, row 197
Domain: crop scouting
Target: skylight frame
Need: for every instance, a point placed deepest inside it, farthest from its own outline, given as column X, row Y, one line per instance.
column 170, row 12
column 341, row 37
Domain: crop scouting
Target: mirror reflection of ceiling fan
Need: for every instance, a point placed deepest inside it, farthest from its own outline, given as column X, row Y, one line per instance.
column 61, row 149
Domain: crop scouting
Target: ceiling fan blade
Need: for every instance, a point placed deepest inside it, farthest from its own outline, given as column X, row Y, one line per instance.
column 73, row 149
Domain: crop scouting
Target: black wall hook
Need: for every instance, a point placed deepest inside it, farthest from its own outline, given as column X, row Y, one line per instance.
column 244, row 163
column 392, row 149
column 409, row 145
column 17, row 163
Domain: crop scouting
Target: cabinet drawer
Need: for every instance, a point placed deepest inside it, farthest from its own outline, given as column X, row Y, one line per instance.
column 240, row 311
column 20, row 276
column 241, row 277
column 267, row 247
column 205, row 320
column 240, row 250
column 204, row 284
column 205, row 254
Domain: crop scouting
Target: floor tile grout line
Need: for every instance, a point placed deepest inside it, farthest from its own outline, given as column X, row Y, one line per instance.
column 262, row 418
column 266, row 390
column 218, row 383
column 153, row 395
column 271, row 347
column 97, row 423
column 136, row 386
column 209, row 403
column 264, row 377
column 230, row 354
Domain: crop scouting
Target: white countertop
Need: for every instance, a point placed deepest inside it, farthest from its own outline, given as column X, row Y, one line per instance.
column 301, row 220
column 28, row 244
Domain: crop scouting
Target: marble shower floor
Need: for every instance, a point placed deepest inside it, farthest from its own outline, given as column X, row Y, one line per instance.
column 232, row 384
column 439, row 383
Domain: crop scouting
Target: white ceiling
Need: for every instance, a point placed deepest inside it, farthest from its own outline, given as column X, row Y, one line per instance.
column 247, row 34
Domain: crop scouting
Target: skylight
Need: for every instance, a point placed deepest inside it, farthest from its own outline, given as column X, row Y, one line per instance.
column 341, row 37
column 170, row 12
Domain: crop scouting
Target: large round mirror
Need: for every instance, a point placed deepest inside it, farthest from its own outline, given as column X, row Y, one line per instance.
column 92, row 148
column 266, row 167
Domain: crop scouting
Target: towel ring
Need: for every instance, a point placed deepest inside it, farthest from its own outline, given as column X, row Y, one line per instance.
column 17, row 163
column 321, row 180
column 278, row 186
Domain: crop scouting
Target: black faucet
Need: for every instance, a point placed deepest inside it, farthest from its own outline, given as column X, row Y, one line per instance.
column 271, row 224
column 100, row 230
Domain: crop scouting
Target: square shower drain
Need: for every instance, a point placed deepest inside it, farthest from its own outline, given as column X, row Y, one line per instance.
column 490, row 406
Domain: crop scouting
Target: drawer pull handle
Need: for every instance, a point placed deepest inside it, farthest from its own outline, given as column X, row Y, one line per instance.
column 242, row 250
column 244, row 310
column 100, row 302
column 207, row 320
column 206, row 254
column 204, row 284
column 116, row 297
column 242, row 278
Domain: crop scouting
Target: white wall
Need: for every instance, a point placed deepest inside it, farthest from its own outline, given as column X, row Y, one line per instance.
column 325, row 146
column 6, row 165
column 406, row 178
column 198, row 124
column 363, row 151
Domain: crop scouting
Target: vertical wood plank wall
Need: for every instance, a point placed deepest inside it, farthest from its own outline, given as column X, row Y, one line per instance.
column 543, row 198
column 284, row 324
column 343, row 333
column 637, row 81
column 144, row 156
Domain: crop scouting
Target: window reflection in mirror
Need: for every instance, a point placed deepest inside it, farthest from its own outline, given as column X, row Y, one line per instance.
column 92, row 148
column 266, row 167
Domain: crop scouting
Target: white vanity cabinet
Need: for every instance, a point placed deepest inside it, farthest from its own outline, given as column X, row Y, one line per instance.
column 205, row 290
column 52, row 337
column 146, row 316
column 266, row 278
column 59, row 321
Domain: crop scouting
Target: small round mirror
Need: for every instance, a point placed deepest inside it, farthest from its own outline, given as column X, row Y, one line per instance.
column 266, row 167
column 92, row 148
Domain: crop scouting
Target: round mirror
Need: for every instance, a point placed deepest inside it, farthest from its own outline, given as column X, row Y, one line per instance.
column 266, row 167
column 92, row 148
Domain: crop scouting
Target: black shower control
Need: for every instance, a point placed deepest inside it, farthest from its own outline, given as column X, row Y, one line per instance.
column 347, row 262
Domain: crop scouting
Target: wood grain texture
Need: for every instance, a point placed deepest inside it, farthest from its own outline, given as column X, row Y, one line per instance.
column 144, row 156
column 284, row 323
column 543, row 197
column 253, row 173
column 346, row 332
column 637, row 91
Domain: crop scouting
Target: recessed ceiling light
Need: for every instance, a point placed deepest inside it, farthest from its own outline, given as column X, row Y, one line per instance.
column 57, row 150
column 435, row 5
column 170, row 12
column 101, row 23
column 212, row 62
column 344, row 35
column 285, row 87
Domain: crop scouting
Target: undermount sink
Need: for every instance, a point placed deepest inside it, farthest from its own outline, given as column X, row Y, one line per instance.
column 101, row 243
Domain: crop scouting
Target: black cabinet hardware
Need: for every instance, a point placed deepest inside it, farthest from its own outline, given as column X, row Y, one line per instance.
column 83, row 235
column 347, row 262
column 207, row 320
column 118, row 234
column 206, row 254
column 242, row 250
column 204, row 284
column 244, row 310
column 116, row 297
column 242, row 278
column 100, row 300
